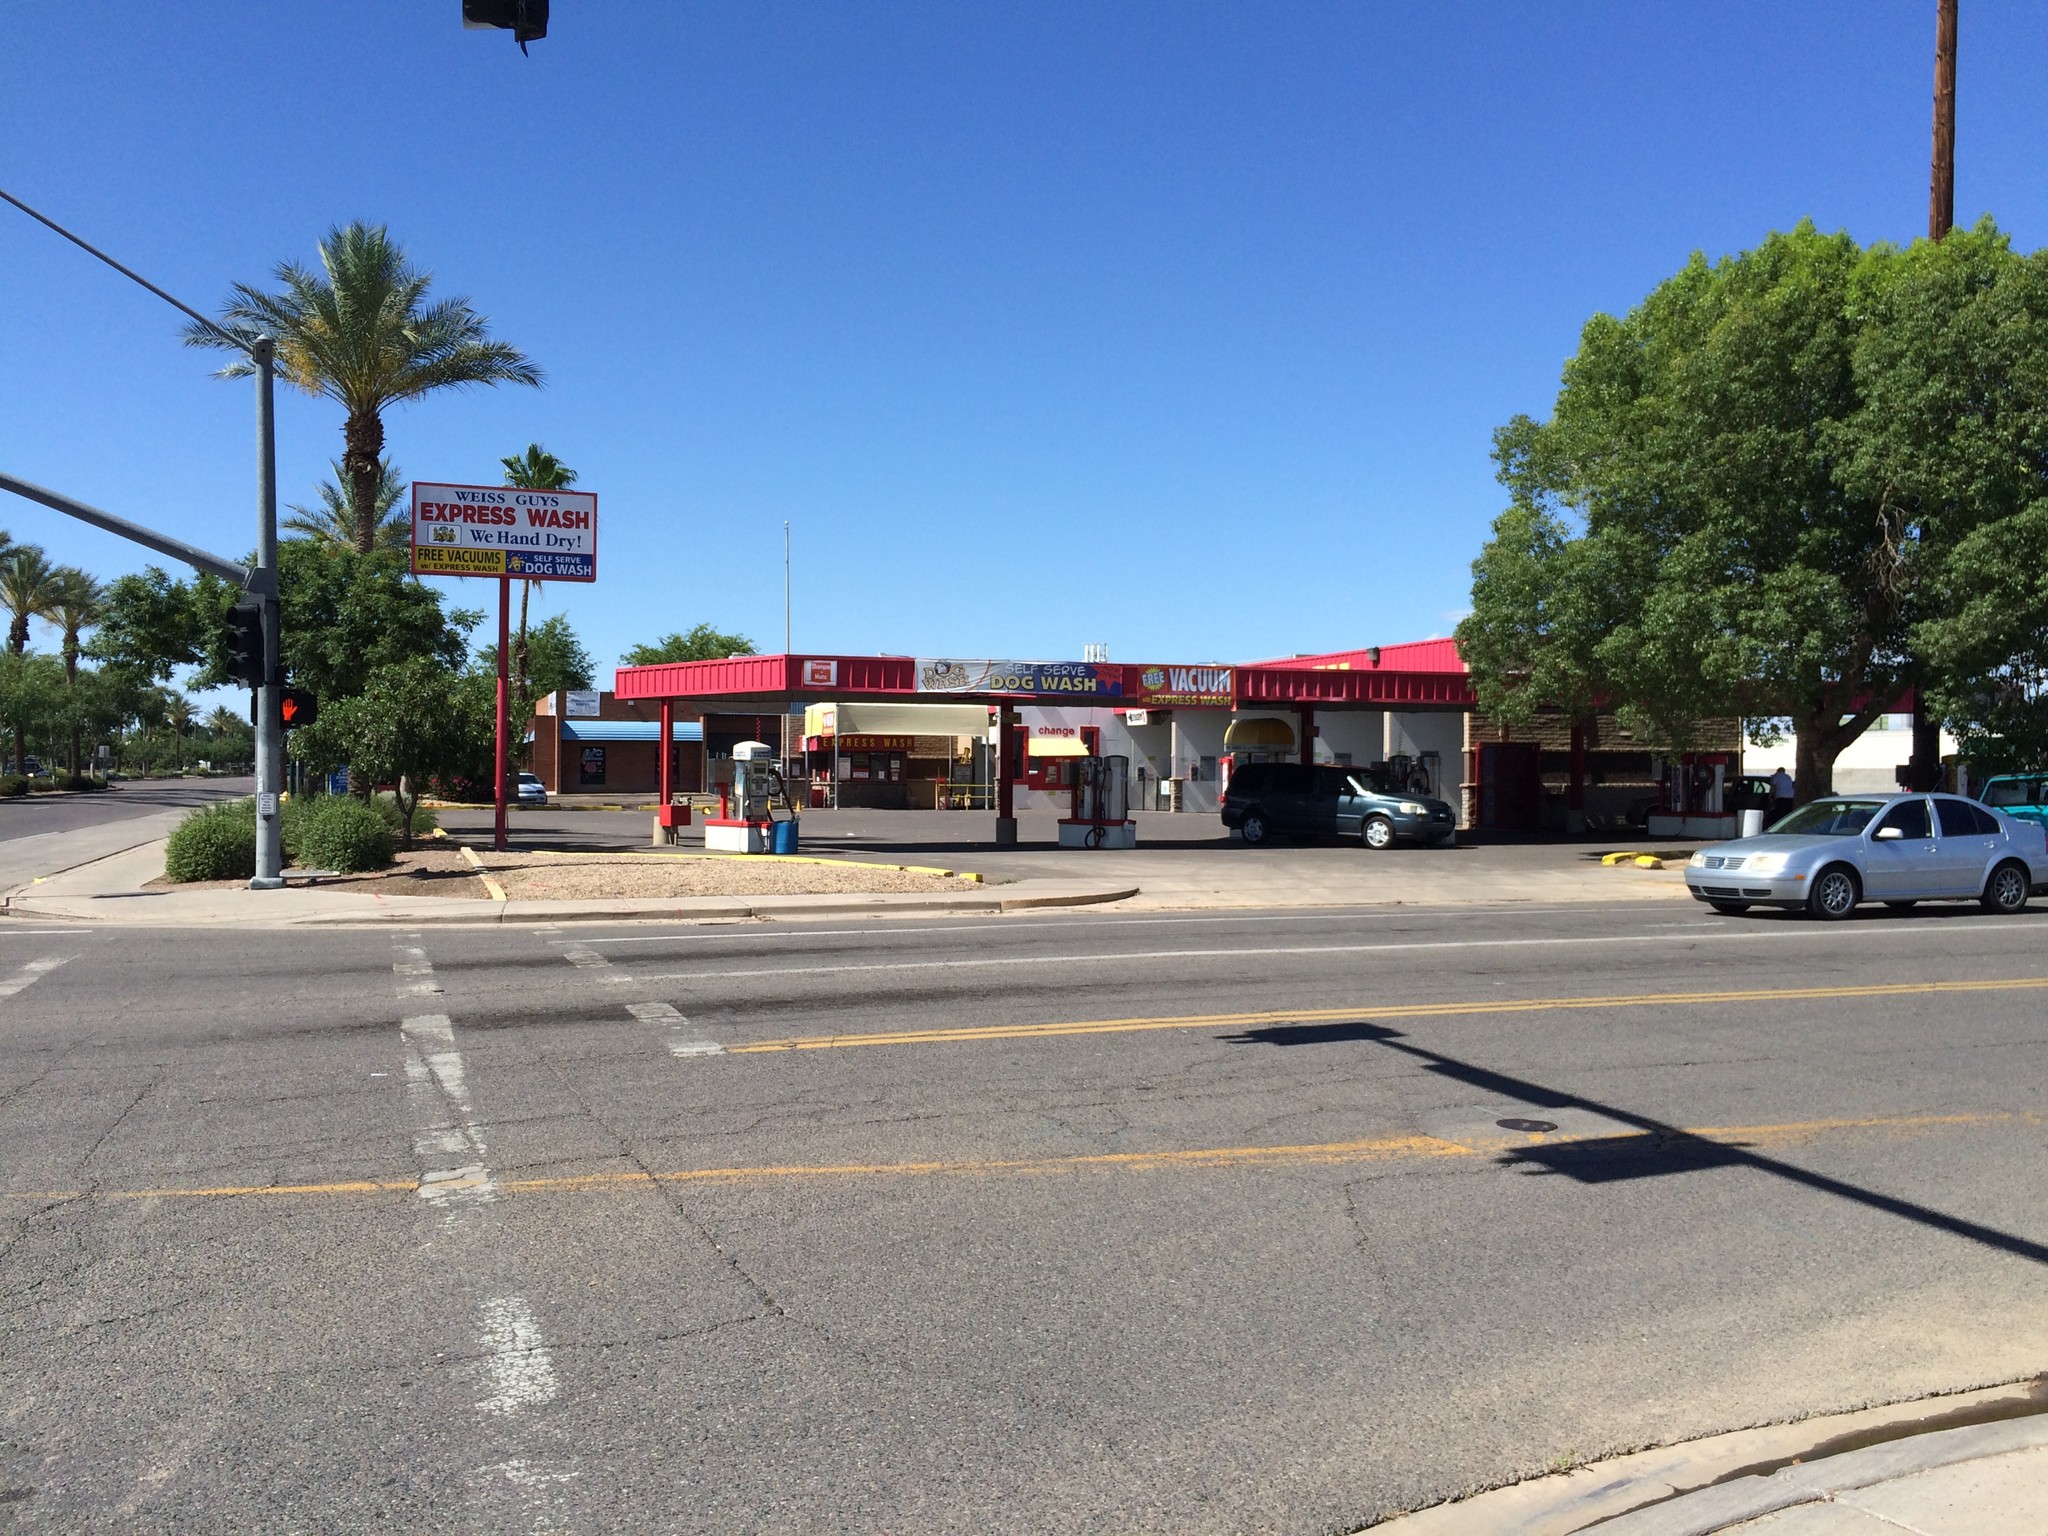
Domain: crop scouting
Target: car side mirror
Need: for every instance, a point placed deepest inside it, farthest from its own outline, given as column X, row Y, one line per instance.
column 1890, row 834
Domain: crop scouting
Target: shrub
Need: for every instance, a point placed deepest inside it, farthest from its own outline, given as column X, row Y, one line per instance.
column 341, row 833
column 80, row 781
column 13, row 785
column 215, row 843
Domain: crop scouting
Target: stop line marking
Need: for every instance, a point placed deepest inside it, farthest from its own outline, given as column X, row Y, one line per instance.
column 32, row 973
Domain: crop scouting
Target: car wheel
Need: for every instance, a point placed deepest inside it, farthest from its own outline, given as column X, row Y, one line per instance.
column 1833, row 895
column 1729, row 908
column 1377, row 833
column 1902, row 906
column 2006, row 891
column 1255, row 828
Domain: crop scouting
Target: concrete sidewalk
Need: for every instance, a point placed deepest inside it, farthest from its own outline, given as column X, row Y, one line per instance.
column 116, row 889
column 1975, row 1464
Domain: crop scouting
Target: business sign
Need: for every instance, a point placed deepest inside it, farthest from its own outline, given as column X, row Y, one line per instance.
column 1190, row 687
column 1039, row 679
column 819, row 673
column 582, row 703
column 504, row 530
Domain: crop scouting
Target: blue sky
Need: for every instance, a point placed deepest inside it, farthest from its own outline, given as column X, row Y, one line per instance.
column 1179, row 327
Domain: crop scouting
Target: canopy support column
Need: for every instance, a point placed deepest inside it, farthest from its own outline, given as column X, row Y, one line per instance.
column 1006, row 756
column 1306, row 717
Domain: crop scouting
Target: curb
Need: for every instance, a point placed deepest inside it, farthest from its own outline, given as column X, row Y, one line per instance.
column 1698, row 1487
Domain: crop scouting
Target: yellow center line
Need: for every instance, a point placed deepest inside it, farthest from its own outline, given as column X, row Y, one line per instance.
column 1385, row 1011
column 1370, row 1149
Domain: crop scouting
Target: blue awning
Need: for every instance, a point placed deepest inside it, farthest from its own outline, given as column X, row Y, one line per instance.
column 630, row 730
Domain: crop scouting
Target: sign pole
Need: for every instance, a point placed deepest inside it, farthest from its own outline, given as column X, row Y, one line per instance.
column 504, row 663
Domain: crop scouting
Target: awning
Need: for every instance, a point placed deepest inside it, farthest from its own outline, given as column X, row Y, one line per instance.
column 1260, row 731
column 881, row 719
column 1055, row 746
column 630, row 730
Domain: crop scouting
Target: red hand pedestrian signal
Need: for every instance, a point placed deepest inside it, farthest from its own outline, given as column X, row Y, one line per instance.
column 297, row 706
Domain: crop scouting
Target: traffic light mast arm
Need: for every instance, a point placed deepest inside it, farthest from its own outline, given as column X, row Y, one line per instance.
column 242, row 576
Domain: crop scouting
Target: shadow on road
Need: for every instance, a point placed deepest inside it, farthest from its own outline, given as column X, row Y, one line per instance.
column 1654, row 1151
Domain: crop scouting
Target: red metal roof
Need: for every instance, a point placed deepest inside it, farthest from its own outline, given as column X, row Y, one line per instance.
column 1371, row 687
column 1409, row 656
column 762, row 676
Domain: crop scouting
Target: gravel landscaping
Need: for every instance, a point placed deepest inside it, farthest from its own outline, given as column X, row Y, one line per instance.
column 557, row 876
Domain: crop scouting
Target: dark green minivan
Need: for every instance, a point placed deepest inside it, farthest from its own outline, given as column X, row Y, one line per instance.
column 1331, row 800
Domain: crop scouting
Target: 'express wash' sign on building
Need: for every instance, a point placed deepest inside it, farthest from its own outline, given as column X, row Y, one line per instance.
column 503, row 530
column 1191, row 687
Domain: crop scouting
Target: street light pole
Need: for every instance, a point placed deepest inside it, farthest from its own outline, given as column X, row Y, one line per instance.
column 269, row 724
column 261, row 582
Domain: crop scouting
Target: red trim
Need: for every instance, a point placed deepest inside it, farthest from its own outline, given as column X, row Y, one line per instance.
column 730, row 821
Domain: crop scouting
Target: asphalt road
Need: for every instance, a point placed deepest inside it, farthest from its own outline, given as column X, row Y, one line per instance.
column 1045, row 1224
column 42, row 815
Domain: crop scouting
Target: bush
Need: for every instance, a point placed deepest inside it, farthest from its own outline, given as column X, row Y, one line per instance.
column 340, row 833
column 13, row 785
column 216, row 843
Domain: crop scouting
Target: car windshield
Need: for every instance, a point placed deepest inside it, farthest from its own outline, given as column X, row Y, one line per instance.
column 1373, row 781
column 2011, row 792
column 1830, row 818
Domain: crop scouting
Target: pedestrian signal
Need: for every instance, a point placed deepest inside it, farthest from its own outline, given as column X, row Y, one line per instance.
column 297, row 706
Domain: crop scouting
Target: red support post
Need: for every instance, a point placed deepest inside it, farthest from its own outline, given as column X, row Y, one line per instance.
column 1006, row 751
column 1575, row 792
column 504, row 664
column 1306, row 714
column 668, row 750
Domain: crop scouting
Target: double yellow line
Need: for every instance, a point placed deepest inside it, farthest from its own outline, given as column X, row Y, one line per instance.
column 1210, row 1021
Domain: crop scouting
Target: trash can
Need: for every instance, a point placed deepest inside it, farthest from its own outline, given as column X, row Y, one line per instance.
column 1752, row 822
column 783, row 838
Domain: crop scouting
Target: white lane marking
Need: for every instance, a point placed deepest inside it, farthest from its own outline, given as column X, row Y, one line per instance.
column 23, row 932
column 32, row 973
column 1704, row 933
column 444, row 1126
column 415, row 973
column 662, row 1016
column 520, row 1369
column 665, row 1016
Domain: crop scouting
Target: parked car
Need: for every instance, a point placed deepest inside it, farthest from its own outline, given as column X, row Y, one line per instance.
column 1833, row 853
column 531, row 790
column 2022, row 796
column 1263, row 799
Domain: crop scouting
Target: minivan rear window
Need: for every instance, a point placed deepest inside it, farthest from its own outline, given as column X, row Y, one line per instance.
column 2013, row 792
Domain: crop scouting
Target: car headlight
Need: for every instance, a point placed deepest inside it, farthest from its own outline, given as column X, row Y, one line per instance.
column 1697, row 861
column 1765, row 864
column 1410, row 808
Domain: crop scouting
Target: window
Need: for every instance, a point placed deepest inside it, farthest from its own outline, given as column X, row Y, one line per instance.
column 1206, row 772
column 593, row 765
column 2012, row 792
column 1290, row 779
column 1830, row 818
column 1959, row 818
column 1332, row 782
column 1910, row 817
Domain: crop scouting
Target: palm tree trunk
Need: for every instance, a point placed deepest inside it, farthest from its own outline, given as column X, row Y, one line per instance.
column 17, row 633
column 362, row 438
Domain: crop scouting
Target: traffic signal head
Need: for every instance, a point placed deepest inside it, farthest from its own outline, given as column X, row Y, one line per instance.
column 527, row 19
column 297, row 706
column 242, row 638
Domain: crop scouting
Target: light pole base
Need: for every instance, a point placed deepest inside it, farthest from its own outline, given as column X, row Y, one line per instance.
column 266, row 883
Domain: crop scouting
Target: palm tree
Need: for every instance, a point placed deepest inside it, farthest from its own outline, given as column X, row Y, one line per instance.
column 332, row 524
column 79, row 605
column 223, row 722
column 178, row 716
column 534, row 470
column 361, row 333
column 29, row 587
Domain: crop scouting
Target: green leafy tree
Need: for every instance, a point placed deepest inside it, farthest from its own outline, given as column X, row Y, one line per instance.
column 332, row 524
column 29, row 588
column 151, row 624
column 699, row 643
column 1752, row 490
column 407, row 726
column 32, row 695
column 361, row 332
column 558, row 658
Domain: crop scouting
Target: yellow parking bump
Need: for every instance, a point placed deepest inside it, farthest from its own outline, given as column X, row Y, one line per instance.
column 1212, row 1021
column 1648, row 861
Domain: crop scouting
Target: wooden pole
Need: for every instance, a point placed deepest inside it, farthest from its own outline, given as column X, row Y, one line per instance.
column 1941, row 195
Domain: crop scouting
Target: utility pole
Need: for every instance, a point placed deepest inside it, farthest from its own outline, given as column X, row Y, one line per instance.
column 785, row 638
column 1924, row 770
column 259, row 580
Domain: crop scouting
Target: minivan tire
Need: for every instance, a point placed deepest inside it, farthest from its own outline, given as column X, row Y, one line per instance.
column 1377, row 833
column 1255, row 828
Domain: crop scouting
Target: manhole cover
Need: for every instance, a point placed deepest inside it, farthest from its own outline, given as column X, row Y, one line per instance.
column 1531, row 1126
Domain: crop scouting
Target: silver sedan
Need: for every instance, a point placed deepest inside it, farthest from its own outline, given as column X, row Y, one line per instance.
column 1898, row 849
